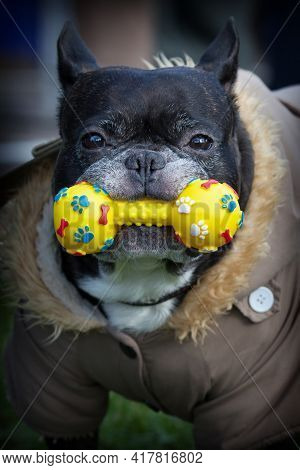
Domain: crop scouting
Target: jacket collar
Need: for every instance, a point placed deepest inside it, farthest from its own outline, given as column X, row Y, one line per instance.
column 31, row 262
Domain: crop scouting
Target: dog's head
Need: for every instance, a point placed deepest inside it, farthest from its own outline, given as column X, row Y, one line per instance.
column 145, row 133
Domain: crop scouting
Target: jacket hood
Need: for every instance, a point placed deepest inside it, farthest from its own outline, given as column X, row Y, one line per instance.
column 30, row 257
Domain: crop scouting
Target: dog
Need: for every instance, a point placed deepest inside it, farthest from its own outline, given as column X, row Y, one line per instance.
column 147, row 133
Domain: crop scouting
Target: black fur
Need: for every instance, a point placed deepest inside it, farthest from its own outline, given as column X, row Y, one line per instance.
column 147, row 118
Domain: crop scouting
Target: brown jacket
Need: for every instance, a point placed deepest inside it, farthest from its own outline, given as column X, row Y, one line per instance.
column 227, row 360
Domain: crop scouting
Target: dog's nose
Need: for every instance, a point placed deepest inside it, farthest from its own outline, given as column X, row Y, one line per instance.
column 145, row 163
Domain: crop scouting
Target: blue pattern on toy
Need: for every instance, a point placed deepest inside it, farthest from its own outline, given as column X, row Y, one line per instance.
column 192, row 181
column 79, row 203
column 61, row 193
column 241, row 221
column 107, row 244
column 228, row 202
column 83, row 235
column 96, row 188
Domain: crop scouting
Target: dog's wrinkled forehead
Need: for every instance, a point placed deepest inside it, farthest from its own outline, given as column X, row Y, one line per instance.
column 147, row 97
column 130, row 101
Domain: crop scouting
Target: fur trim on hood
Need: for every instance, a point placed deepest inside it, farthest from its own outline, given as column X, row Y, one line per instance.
column 31, row 260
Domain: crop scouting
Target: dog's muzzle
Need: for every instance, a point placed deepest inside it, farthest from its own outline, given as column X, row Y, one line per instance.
column 144, row 164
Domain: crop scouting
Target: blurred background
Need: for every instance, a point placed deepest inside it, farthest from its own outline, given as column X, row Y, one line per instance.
column 121, row 32
column 124, row 32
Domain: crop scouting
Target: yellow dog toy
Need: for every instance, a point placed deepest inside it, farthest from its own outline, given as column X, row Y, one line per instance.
column 205, row 216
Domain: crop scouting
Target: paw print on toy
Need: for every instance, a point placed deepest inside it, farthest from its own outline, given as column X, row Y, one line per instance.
column 97, row 189
column 228, row 202
column 79, row 203
column 184, row 205
column 199, row 230
column 107, row 244
column 83, row 235
column 62, row 193
column 241, row 221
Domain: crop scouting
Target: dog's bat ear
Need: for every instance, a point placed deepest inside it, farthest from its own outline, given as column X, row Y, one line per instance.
column 74, row 57
column 221, row 56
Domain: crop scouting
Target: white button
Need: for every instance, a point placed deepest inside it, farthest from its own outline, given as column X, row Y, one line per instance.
column 261, row 299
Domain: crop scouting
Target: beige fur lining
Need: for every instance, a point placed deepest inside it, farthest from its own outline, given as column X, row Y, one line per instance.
column 212, row 295
column 22, row 276
column 49, row 263
column 217, row 290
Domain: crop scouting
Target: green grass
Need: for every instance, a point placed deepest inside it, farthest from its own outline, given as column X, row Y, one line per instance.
column 127, row 424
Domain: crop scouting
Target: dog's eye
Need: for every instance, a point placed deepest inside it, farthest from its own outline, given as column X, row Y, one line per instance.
column 92, row 141
column 201, row 142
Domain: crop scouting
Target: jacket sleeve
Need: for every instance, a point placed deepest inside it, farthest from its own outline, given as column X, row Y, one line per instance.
column 46, row 385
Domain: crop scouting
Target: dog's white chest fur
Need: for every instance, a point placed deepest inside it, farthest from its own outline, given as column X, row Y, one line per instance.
column 139, row 280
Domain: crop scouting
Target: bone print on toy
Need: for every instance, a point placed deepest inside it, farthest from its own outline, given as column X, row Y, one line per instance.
column 103, row 219
column 61, row 229
column 226, row 235
column 208, row 184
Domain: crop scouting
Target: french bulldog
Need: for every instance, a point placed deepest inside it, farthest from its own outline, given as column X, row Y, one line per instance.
column 147, row 133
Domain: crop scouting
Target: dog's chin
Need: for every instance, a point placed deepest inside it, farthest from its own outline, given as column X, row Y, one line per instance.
column 155, row 242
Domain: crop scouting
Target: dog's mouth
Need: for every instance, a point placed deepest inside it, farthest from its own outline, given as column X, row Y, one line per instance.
column 148, row 238
column 139, row 241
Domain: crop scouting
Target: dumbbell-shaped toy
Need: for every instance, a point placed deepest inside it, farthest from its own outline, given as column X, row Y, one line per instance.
column 205, row 216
